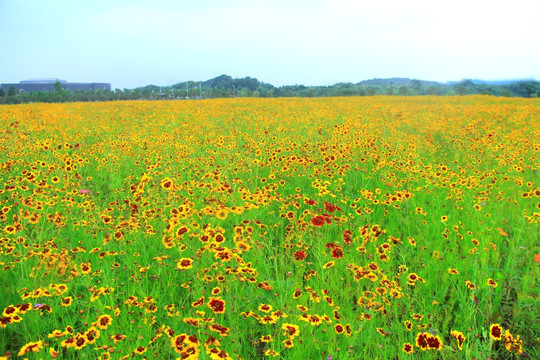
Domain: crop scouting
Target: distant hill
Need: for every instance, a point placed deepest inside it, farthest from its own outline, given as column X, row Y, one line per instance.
column 397, row 82
column 492, row 82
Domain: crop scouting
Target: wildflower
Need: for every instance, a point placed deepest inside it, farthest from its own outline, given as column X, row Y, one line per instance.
column 222, row 214
column 84, row 191
column 66, row 301
column 185, row 263
column 166, row 183
column 412, row 279
column 10, row 229
column 54, row 354
column 23, row 308
column 492, row 283
column 266, row 338
column 198, row 302
column 103, row 322
column 68, row 343
column 288, row 343
column 222, row 330
column 300, row 255
column 31, row 347
column 270, row 352
column 318, row 220
column 315, row 320
column 421, row 340
column 217, row 305
column 495, row 331
column 85, row 268
column 56, row 334
column 408, row 325
column 265, row 308
column 337, row 253
column 329, row 264
column 140, row 350
column 216, row 290
column 80, row 342
column 408, row 348
column 42, row 308
column 117, row 338
column 459, row 337
column 290, row 330
column 513, row 344
column 434, row 342
column 269, row 319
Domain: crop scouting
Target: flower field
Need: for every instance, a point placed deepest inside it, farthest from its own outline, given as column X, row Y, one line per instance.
column 335, row 228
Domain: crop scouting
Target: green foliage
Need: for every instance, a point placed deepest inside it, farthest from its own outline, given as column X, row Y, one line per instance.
column 226, row 86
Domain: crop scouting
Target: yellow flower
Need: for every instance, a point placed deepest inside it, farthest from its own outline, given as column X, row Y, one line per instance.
column 31, row 347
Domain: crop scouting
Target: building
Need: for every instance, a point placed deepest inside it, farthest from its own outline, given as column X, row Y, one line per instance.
column 48, row 85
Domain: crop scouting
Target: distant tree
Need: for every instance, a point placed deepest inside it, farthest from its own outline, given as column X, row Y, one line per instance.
column 58, row 87
column 416, row 86
column 24, row 97
column 2, row 93
column 461, row 90
column 505, row 93
column 67, row 95
column 44, row 96
column 485, row 92
column 194, row 92
column 245, row 92
column 432, row 90
column 466, row 83
column 12, row 91
column 80, row 95
column 403, row 90
column 531, row 89
column 371, row 91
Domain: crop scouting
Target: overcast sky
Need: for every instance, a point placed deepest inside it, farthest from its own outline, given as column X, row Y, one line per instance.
column 283, row 42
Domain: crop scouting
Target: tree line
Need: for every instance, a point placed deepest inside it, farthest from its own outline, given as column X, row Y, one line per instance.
column 225, row 86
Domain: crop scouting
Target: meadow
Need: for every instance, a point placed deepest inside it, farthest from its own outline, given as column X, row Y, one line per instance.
column 325, row 228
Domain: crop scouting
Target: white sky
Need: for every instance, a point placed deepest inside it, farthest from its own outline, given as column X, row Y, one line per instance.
column 312, row 42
